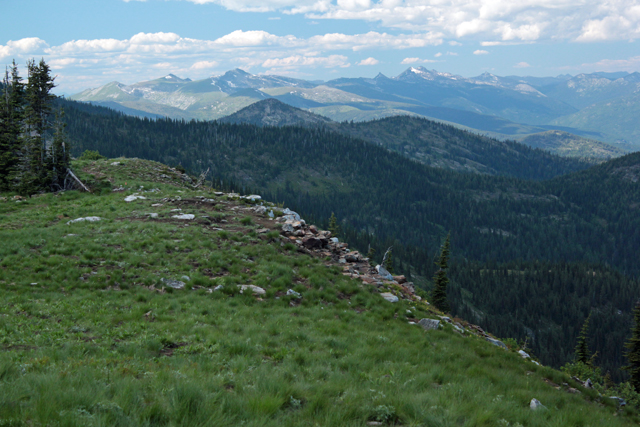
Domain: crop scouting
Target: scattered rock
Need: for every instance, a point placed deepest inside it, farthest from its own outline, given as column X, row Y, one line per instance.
column 536, row 405
column 87, row 218
column 429, row 324
column 523, row 354
column 334, row 240
column 260, row 210
column 116, row 164
column 134, row 197
column 496, row 342
column 153, row 215
column 621, row 401
column 184, row 216
column 175, row 284
column 294, row 293
column 256, row 290
column 400, row 279
column 311, row 242
column 288, row 228
column 156, row 205
column 384, row 273
column 217, row 288
column 389, row 296
column 186, row 278
column 254, row 198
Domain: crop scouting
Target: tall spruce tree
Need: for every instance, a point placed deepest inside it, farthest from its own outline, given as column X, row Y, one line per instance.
column 33, row 172
column 633, row 350
column 583, row 354
column 11, row 121
column 440, row 280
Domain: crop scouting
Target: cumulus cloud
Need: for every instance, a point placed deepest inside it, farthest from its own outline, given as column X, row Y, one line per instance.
column 369, row 61
column 480, row 52
column 417, row 61
column 522, row 65
column 204, row 65
column 32, row 45
column 630, row 64
column 581, row 20
column 295, row 61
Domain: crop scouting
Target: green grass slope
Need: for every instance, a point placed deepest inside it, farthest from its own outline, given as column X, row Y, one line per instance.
column 89, row 337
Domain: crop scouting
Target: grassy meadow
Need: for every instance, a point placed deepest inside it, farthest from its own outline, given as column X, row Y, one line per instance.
column 90, row 335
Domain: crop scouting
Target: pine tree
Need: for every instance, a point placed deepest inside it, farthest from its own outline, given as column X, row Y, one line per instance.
column 334, row 228
column 440, row 280
column 583, row 354
column 33, row 171
column 633, row 350
column 370, row 254
column 11, row 117
column 388, row 265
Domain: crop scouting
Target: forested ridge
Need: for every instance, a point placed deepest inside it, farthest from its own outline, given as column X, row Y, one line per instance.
column 383, row 198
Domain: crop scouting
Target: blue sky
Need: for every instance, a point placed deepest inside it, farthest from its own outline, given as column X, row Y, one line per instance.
column 90, row 43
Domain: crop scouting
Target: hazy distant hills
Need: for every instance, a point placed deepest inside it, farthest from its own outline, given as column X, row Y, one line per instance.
column 587, row 105
column 435, row 144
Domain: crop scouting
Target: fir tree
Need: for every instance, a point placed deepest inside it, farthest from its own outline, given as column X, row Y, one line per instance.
column 11, row 117
column 388, row 265
column 334, row 228
column 440, row 280
column 583, row 354
column 633, row 350
column 33, row 171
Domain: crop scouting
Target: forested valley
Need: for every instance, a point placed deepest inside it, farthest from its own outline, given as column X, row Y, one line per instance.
column 530, row 259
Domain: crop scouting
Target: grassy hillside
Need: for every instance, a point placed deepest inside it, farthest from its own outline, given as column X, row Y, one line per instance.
column 91, row 335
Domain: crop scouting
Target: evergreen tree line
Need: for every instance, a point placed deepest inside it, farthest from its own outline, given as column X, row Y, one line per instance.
column 34, row 155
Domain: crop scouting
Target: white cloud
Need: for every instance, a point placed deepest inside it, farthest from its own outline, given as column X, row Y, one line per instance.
column 631, row 64
column 295, row 61
column 369, row 61
column 480, row 52
column 32, row 45
column 438, row 55
column 418, row 60
column 203, row 65
column 500, row 20
column 522, row 65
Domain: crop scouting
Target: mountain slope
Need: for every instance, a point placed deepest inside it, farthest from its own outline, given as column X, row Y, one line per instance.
column 569, row 145
column 93, row 335
column 272, row 112
column 384, row 199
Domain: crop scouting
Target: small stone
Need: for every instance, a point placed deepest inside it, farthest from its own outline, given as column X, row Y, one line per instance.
column 186, row 278
column 288, row 228
column 254, row 198
column 389, row 296
column 217, row 288
column 429, row 324
column 312, row 243
column 313, row 229
column 116, row 164
column 294, row 293
column 156, row 205
column 334, row 240
column 256, row 290
column 400, row 279
column 523, row 354
column 88, row 219
column 175, row 284
column 260, row 210
column 134, row 197
column 153, row 215
column 184, row 216
column 536, row 405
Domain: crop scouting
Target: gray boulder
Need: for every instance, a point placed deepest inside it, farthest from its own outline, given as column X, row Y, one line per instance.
column 87, row 218
column 429, row 324
column 496, row 342
column 535, row 405
column 384, row 273
column 389, row 296
column 175, row 284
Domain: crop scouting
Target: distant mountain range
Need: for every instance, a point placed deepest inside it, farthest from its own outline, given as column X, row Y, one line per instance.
column 598, row 106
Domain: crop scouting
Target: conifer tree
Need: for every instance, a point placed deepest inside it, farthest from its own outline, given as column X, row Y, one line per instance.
column 440, row 280
column 334, row 228
column 58, row 159
column 633, row 350
column 33, row 171
column 388, row 265
column 583, row 354
column 11, row 118
column 370, row 254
